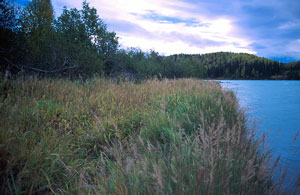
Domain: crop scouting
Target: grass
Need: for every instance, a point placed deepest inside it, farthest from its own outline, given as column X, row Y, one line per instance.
column 102, row 137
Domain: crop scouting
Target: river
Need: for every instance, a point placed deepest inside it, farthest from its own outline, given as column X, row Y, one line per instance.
column 275, row 106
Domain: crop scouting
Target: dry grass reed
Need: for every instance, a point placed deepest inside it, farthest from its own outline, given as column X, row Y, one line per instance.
column 102, row 137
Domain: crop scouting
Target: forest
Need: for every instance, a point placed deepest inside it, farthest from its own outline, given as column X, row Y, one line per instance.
column 78, row 44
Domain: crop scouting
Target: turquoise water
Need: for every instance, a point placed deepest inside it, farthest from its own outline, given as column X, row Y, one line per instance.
column 275, row 106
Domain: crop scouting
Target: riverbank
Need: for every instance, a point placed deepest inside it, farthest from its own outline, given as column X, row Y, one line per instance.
column 102, row 137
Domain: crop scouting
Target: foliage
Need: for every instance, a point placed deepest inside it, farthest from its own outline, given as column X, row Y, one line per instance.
column 221, row 65
column 84, row 39
column 36, row 21
column 78, row 43
column 9, row 34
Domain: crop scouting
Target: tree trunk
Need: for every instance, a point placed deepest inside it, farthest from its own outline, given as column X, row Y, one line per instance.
column 7, row 73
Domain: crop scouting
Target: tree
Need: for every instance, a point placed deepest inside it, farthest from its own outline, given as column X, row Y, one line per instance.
column 9, row 36
column 37, row 24
column 243, row 72
column 84, row 39
column 38, row 17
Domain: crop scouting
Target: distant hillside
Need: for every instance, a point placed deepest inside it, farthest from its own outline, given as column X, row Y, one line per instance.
column 237, row 66
column 220, row 65
column 292, row 70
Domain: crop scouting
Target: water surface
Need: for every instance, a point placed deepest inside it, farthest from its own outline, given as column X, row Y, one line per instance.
column 275, row 106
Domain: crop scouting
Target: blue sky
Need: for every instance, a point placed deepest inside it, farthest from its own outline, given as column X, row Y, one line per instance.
column 267, row 28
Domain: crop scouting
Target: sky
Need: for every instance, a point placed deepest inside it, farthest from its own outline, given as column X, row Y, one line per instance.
column 267, row 28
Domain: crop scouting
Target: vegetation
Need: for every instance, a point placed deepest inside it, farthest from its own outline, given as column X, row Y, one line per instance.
column 221, row 65
column 103, row 137
column 78, row 44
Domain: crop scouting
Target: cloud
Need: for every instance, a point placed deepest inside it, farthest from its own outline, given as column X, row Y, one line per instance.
column 272, row 26
column 264, row 27
column 290, row 25
column 170, row 26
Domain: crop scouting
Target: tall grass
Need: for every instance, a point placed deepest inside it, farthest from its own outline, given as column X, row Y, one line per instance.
column 102, row 137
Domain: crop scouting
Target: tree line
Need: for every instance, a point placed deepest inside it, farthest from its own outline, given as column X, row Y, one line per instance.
column 77, row 43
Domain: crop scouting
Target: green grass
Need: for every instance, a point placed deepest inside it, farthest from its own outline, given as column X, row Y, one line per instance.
column 102, row 137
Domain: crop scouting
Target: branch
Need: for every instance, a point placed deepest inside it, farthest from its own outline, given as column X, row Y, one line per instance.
column 61, row 68
column 7, row 60
column 46, row 71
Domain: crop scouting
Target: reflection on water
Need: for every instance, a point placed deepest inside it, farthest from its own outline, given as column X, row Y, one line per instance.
column 276, row 107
